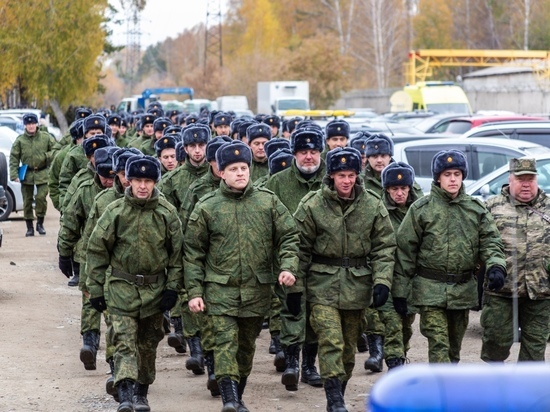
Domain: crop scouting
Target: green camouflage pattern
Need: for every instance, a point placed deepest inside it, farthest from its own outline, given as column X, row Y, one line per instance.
column 234, row 345
column 147, row 147
column 334, row 228
column 207, row 183
column 498, row 328
column 137, row 141
column 258, row 170
column 74, row 161
column 53, row 175
column 136, row 341
column 445, row 331
column 34, row 151
column 136, row 236
column 65, row 141
column 174, row 184
column 373, row 181
column 526, row 237
column 231, row 242
column 337, row 331
column 40, row 200
column 83, row 175
column 449, row 236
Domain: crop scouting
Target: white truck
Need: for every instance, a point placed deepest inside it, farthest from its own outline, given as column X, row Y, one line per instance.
column 280, row 96
column 226, row 103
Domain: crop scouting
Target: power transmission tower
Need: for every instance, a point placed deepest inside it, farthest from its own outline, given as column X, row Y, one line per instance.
column 133, row 48
column 213, row 33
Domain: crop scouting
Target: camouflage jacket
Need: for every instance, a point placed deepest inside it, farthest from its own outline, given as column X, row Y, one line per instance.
column 331, row 227
column 397, row 213
column 258, row 170
column 147, row 146
column 231, row 241
column 204, row 185
column 88, row 173
column 53, row 178
column 66, row 140
column 174, row 184
column 290, row 186
column 526, row 238
column 74, row 161
column 138, row 237
column 137, row 141
column 449, row 236
column 373, row 181
column 34, row 151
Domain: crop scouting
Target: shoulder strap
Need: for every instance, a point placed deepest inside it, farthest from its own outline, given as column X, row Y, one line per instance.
column 538, row 212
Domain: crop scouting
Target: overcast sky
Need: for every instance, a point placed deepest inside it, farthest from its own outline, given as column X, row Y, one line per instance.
column 162, row 19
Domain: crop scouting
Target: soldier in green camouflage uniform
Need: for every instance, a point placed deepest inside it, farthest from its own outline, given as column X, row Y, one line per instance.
column 522, row 215
column 257, row 135
column 115, row 121
column 440, row 241
column 233, row 237
column 304, row 175
column 140, row 237
column 165, row 150
column 34, row 149
column 347, row 245
column 379, row 152
column 145, row 129
column 148, row 146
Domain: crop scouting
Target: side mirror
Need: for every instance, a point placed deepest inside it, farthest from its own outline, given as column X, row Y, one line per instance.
column 485, row 191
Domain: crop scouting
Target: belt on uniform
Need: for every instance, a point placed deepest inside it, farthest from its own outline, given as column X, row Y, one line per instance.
column 445, row 277
column 345, row 262
column 139, row 280
column 38, row 169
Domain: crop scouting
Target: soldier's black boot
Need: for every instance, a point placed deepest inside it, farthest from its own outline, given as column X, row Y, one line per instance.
column 344, row 386
column 292, row 372
column 30, row 229
column 110, row 382
column 195, row 362
column 211, row 383
column 362, row 344
column 166, row 322
column 230, row 395
column 141, row 404
column 240, row 390
column 88, row 352
column 40, row 225
column 274, row 344
column 394, row 362
column 125, row 390
column 309, row 371
column 335, row 399
column 376, row 348
column 175, row 339
column 76, row 274
column 279, row 362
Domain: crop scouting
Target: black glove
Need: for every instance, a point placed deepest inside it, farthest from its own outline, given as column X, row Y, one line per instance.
column 169, row 299
column 98, row 304
column 380, row 295
column 294, row 303
column 66, row 265
column 496, row 276
column 400, row 305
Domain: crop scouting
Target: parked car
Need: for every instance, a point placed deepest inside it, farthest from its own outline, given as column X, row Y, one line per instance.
column 462, row 124
column 436, row 123
column 491, row 184
column 14, row 197
column 484, row 155
column 536, row 131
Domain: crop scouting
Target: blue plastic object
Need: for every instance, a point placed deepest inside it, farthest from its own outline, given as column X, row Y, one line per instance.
column 522, row 387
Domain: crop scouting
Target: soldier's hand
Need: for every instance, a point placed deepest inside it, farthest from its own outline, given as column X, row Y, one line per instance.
column 196, row 305
column 380, row 295
column 66, row 265
column 286, row 278
column 98, row 304
column 400, row 305
column 495, row 276
column 169, row 300
column 294, row 303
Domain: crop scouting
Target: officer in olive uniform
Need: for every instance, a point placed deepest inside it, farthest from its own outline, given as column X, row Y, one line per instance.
column 233, row 237
column 32, row 149
column 347, row 245
column 522, row 215
column 145, row 276
column 442, row 238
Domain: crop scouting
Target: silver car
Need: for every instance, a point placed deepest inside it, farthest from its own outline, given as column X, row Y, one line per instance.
column 14, row 196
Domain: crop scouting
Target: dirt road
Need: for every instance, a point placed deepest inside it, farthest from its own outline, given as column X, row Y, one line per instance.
column 40, row 344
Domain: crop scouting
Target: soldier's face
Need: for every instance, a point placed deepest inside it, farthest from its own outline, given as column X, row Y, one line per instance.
column 308, row 161
column 122, row 130
column 93, row 132
column 257, row 147
column 399, row 194
column 158, row 134
column 196, row 152
column 223, row 130
column 524, row 187
column 236, row 175
column 168, row 159
column 343, row 182
column 274, row 131
column 106, row 182
column 378, row 162
column 122, row 177
column 450, row 180
column 148, row 129
column 142, row 188
column 114, row 128
column 31, row 128
column 337, row 141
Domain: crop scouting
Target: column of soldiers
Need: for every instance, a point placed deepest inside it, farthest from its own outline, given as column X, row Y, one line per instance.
column 218, row 252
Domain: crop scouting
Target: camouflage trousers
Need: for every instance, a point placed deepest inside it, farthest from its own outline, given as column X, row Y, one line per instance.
column 295, row 330
column 275, row 314
column 337, row 331
column 191, row 322
column 445, row 330
column 136, row 341
column 40, row 200
column 90, row 319
column 234, row 345
column 498, row 330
